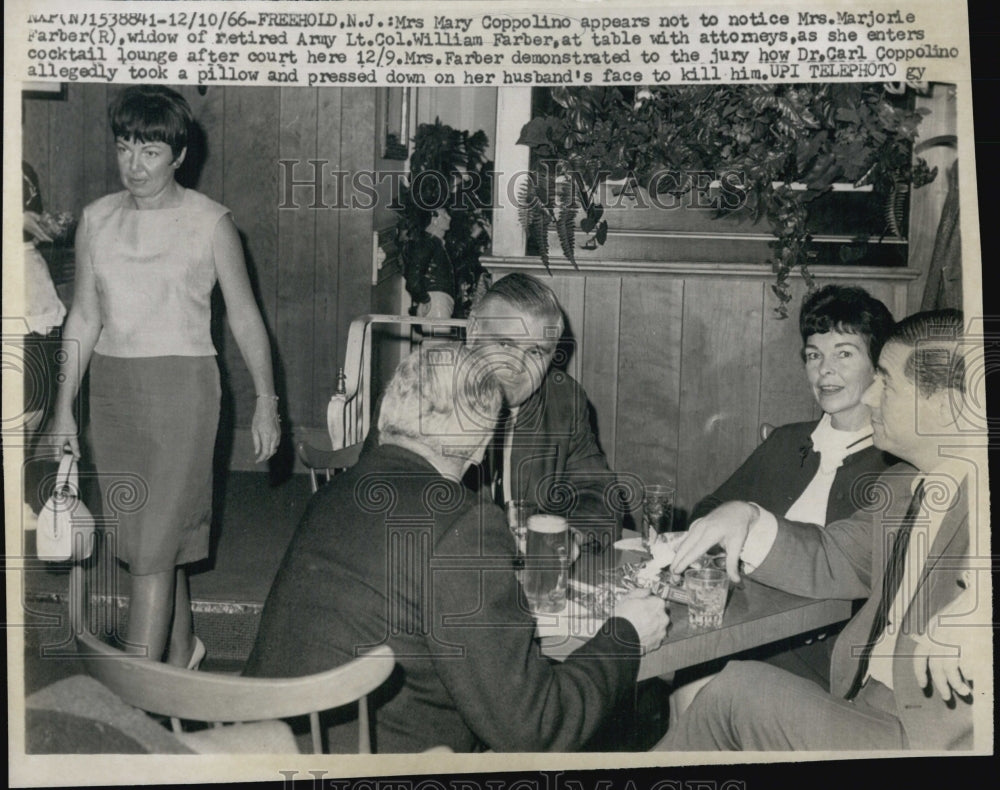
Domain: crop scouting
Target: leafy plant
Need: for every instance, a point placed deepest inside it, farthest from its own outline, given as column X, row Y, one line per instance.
column 762, row 138
column 449, row 171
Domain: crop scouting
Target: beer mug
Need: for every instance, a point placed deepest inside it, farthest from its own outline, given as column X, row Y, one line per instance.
column 546, row 563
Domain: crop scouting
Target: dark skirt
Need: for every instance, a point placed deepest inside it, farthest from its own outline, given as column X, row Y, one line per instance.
column 154, row 421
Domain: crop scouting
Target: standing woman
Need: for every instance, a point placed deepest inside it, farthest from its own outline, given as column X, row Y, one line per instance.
column 147, row 259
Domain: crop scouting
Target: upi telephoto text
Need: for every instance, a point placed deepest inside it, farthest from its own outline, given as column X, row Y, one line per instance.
column 218, row 47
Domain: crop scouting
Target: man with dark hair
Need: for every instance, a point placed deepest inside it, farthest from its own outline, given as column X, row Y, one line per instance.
column 902, row 668
column 544, row 450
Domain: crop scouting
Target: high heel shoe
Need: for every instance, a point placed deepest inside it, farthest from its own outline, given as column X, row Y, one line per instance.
column 197, row 654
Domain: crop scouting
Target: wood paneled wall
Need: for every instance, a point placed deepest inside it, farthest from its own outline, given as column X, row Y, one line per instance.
column 311, row 267
column 681, row 368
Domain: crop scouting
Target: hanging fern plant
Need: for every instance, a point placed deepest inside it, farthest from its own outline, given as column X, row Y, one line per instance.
column 771, row 136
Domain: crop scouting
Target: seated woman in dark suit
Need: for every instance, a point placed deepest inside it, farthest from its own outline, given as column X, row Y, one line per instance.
column 815, row 471
column 818, row 471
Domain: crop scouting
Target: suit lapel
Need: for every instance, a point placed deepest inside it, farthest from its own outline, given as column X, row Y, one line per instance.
column 900, row 494
column 950, row 532
column 845, row 660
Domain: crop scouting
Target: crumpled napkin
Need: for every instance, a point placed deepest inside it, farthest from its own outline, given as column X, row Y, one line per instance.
column 662, row 550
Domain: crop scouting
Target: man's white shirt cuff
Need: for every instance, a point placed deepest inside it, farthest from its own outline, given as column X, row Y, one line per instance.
column 760, row 539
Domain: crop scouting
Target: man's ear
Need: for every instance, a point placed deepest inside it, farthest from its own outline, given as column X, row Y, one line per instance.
column 180, row 157
column 947, row 405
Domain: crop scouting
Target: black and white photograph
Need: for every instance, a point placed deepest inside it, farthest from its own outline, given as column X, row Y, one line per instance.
column 606, row 388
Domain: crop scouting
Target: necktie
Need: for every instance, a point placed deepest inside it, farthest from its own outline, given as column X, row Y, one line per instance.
column 496, row 451
column 890, row 586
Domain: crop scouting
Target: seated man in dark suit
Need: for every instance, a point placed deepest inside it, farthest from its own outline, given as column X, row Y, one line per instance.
column 544, row 451
column 398, row 551
column 908, row 549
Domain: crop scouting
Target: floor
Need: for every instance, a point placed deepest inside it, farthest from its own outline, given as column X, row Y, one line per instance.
column 255, row 521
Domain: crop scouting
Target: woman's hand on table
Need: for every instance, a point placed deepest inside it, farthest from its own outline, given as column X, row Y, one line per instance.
column 648, row 616
column 726, row 526
column 266, row 428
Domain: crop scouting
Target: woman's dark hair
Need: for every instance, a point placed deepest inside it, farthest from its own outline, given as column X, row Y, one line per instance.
column 152, row 114
column 847, row 309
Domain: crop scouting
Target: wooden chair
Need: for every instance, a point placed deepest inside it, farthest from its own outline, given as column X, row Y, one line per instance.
column 184, row 694
column 349, row 413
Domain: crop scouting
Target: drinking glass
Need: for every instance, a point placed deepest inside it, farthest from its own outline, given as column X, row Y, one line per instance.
column 657, row 510
column 546, row 563
column 707, row 588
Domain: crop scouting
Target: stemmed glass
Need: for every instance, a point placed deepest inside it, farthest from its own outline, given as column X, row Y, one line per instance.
column 518, row 513
column 657, row 511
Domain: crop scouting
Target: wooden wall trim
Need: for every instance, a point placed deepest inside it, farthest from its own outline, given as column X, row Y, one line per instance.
column 694, row 269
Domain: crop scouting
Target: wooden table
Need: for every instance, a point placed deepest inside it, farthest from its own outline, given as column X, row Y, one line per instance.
column 755, row 615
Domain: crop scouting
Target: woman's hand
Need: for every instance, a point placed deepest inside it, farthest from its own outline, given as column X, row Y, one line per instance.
column 61, row 434
column 266, row 428
column 33, row 226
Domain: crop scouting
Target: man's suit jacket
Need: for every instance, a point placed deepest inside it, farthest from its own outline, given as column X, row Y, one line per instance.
column 784, row 464
column 556, row 461
column 390, row 552
column 847, row 559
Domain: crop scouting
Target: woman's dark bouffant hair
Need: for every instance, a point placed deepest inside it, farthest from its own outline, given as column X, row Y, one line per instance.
column 152, row 114
column 847, row 309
